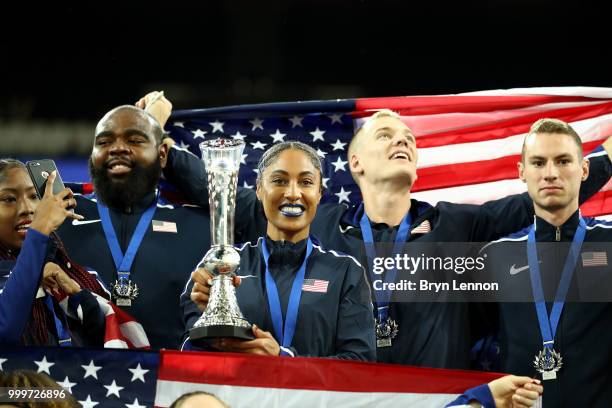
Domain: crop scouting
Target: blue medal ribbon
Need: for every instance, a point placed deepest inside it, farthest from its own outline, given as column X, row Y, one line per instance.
column 382, row 297
column 61, row 326
column 548, row 324
column 285, row 331
column 123, row 263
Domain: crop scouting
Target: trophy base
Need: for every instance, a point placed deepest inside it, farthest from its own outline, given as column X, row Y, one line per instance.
column 203, row 335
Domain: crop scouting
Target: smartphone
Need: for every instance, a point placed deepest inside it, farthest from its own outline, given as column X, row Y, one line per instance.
column 39, row 171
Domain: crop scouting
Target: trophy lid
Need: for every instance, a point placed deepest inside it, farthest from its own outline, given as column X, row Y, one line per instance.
column 220, row 143
column 222, row 154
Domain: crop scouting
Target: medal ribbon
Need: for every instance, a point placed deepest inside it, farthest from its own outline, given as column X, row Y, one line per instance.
column 383, row 296
column 285, row 331
column 61, row 326
column 548, row 324
column 123, row 263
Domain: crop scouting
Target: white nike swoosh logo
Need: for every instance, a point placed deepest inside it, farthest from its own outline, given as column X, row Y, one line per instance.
column 344, row 229
column 83, row 222
column 514, row 270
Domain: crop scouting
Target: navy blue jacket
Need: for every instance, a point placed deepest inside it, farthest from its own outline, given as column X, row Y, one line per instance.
column 163, row 262
column 19, row 283
column 336, row 323
column 430, row 334
column 584, row 333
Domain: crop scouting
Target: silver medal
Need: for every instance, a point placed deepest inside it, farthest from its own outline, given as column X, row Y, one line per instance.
column 124, row 291
column 548, row 362
column 385, row 332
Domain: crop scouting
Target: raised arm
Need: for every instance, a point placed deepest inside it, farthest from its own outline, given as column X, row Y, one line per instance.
column 186, row 171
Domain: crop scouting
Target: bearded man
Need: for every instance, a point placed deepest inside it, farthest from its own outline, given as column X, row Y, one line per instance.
column 143, row 248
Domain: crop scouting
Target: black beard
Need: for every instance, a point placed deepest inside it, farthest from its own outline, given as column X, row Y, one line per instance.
column 128, row 190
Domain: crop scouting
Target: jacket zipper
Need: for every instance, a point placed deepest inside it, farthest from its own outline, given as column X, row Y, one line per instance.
column 558, row 234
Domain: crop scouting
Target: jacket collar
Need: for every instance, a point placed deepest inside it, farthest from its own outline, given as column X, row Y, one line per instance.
column 548, row 232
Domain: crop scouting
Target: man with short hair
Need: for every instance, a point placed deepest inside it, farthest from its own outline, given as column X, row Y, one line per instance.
column 562, row 331
column 383, row 157
column 143, row 247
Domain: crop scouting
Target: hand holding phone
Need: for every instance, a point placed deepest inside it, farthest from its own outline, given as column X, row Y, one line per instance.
column 53, row 209
column 39, row 171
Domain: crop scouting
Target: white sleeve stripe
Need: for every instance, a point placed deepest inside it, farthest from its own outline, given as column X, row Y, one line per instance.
column 174, row 146
column 338, row 255
column 597, row 154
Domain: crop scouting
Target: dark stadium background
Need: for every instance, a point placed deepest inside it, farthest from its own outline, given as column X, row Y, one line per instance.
column 69, row 62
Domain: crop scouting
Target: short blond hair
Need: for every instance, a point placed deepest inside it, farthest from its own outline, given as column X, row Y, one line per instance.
column 382, row 113
column 550, row 125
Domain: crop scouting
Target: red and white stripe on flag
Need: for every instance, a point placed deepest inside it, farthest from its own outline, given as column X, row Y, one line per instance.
column 122, row 331
column 256, row 381
column 469, row 144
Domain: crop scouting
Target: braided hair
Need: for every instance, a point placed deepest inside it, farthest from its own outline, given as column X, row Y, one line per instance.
column 36, row 330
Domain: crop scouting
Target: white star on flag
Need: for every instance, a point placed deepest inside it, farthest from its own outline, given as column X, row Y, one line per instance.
column 325, row 180
column 113, row 389
column 179, row 124
column 217, row 126
column 259, row 145
column 247, row 185
column 242, row 159
column 66, row 384
column 135, row 405
column 335, row 118
column 343, row 195
column 2, row 360
column 321, row 153
column 184, row 145
column 44, row 365
column 278, row 136
column 338, row 145
column 317, row 134
column 256, row 171
column 238, row 136
column 91, row 370
column 339, row 165
column 198, row 133
column 257, row 123
column 88, row 403
column 296, row 121
column 138, row 373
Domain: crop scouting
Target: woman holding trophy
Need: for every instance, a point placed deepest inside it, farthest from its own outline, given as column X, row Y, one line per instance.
column 301, row 298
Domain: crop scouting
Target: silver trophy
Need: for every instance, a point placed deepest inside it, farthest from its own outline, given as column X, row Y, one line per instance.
column 222, row 317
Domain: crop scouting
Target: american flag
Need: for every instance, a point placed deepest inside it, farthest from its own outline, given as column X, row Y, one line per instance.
column 96, row 378
column 164, row 226
column 599, row 258
column 243, row 380
column 315, row 285
column 138, row 379
column 468, row 143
